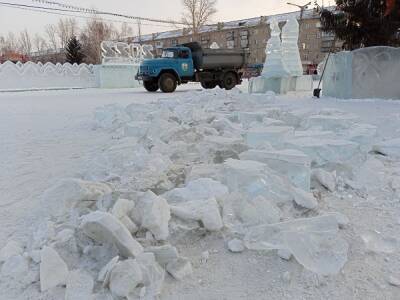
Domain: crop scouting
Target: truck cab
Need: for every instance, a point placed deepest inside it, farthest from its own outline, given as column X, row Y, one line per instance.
column 190, row 62
column 175, row 66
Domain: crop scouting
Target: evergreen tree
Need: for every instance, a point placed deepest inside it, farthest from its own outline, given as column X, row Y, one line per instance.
column 364, row 23
column 73, row 51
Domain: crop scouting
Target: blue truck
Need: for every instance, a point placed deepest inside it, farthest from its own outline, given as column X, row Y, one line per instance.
column 191, row 63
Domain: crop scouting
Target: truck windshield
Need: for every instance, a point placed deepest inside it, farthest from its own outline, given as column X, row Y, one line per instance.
column 168, row 54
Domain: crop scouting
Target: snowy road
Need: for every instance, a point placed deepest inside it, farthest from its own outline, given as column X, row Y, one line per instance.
column 46, row 136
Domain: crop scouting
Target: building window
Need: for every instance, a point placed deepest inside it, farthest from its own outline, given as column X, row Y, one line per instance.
column 174, row 42
column 230, row 36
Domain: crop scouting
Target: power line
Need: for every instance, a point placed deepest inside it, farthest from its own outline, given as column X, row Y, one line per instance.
column 44, row 10
column 95, row 11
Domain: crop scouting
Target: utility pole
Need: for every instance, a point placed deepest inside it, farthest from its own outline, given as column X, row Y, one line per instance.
column 302, row 8
column 139, row 23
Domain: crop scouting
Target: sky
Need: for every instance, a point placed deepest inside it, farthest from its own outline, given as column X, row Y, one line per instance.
column 17, row 20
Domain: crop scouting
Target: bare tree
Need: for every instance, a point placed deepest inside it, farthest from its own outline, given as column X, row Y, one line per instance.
column 39, row 43
column 66, row 28
column 95, row 31
column 25, row 43
column 198, row 12
column 51, row 32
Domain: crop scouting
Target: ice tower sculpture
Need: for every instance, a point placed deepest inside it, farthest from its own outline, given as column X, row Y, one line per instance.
column 275, row 77
column 291, row 56
column 290, row 48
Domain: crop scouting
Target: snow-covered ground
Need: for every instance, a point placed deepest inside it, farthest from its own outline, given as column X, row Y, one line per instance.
column 161, row 142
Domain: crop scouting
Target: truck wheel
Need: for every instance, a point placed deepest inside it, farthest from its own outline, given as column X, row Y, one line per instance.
column 208, row 84
column 167, row 83
column 229, row 81
column 151, row 86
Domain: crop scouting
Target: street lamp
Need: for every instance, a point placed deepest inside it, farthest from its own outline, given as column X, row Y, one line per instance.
column 302, row 8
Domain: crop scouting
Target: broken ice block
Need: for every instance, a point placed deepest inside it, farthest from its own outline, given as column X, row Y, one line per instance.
column 293, row 164
column 104, row 227
column 206, row 211
column 313, row 242
column 388, row 148
column 199, row 189
column 330, row 122
column 254, row 179
column 275, row 135
column 322, row 151
column 136, row 129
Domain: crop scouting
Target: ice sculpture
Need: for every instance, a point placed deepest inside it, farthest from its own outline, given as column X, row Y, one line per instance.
column 370, row 72
column 290, row 49
column 291, row 56
column 275, row 77
column 120, row 63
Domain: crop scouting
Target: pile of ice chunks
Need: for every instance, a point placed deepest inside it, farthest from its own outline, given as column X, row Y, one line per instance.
column 215, row 160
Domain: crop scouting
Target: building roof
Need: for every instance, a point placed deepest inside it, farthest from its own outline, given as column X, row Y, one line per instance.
column 307, row 14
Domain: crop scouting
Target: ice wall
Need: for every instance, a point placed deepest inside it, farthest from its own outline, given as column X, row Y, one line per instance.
column 371, row 72
column 44, row 76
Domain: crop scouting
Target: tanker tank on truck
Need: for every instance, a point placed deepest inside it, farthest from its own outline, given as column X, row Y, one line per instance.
column 192, row 63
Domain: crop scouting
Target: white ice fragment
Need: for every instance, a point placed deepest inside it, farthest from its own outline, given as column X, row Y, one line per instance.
column 35, row 256
column 153, row 213
column 313, row 242
column 199, row 189
column 323, row 150
column 12, row 248
column 71, row 193
column 125, row 277
column 395, row 281
column 122, row 207
column 153, row 274
column 104, row 227
column 129, row 224
column 284, row 254
column 286, row 276
column 304, row 199
column 254, row 179
column 136, row 129
column 79, row 286
column 180, row 268
column 205, row 211
column 236, row 246
column 330, row 122
column 395, row 183
column 122, row 210
column 389, row 147
column 371, row 175
column 53, row 270
column 375, row 242
column 342, row 219
column 164, row 254
column 256, row 211
column 16, row 268
column 105, row 272
column 294, row 164
column 324, row 178
column 275, row 135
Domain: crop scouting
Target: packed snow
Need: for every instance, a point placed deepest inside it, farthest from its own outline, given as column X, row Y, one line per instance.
column 122, row 194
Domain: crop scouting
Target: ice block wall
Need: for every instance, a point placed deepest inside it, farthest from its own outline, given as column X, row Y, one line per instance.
column 31, row 75
column 371, row 72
